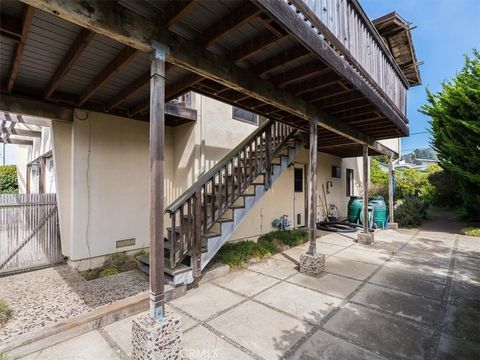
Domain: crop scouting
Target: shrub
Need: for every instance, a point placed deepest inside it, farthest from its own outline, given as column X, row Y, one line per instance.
column 119, row 260
column 411, row 212
column 377, row 176
column 289, row 237
column 5, row 312
column 108, row 272
column 238, row 254
column 471, row 231
column 8, row 179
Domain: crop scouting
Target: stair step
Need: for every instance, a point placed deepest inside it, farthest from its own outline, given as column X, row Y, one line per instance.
column 144, row 262
column 211, row 234
column 224, row 220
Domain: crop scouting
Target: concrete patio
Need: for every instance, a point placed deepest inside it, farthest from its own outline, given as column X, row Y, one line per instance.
column 413, row 295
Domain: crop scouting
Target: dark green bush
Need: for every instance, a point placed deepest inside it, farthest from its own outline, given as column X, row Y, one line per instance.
column 5, row 312
column 8, row 179
column 238, row 254
column 289, row 237
column 411, row 212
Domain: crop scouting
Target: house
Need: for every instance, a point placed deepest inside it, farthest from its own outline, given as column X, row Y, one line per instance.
column 226, row 115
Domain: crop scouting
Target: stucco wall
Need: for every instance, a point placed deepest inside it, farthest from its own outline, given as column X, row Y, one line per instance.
column 280, row 199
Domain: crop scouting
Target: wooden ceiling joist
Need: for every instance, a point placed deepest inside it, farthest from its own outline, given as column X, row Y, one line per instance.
column 230, row 22
column 130, row 28
column 300, row 73
column 176, row 10
column 171, row 92
column 128, row 91
column 317, row 83
column 83, row 39
column 10, row 27
column 26, row 22
column 125, row 56
column 255, row 45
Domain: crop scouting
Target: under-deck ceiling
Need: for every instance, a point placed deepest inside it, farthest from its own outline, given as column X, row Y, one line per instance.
column 47, row 58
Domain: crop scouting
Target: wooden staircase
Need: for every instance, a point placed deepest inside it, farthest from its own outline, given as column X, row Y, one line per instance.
column 204, row 217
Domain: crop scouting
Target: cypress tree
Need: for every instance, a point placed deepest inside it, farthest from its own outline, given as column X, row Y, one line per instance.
column 455, row 129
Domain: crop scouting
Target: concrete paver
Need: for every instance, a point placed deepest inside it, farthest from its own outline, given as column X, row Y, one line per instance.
column 385, row 301
column 87, row 346
column 246, row 282
column 349, row 268
column 327, row 283
column 463, row 323
column 279, row 267
column 381, row 334
column 323, row 346
column 412, row 282
column 300, row 302
column 266, row 332
column 201, row 343
column 205, row 301
column 451, row 348
column 412, row 307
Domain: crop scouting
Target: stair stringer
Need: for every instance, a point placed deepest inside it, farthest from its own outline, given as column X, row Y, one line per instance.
column 228, row 228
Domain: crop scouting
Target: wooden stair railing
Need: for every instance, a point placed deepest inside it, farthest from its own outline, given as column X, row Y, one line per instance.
column 194, row 212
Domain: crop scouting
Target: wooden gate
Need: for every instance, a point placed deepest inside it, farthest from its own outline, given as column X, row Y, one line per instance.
column 29, row 233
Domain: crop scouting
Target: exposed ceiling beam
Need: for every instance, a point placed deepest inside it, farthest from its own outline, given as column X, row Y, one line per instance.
column 78, row 46
column 10, row 27
column 299, row 73
column 26, row 22
column 21, row 132
column 134, row 30
column 131, row 89
column 281, row 11
column 251, row 47
column 176, row 10
column 35, row 108
column 125, row 56
column 9, row 140
column 230, row 22
column 282, row 59
column 171, row 92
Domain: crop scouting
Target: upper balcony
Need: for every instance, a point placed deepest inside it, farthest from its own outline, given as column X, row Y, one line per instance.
column 290, row 61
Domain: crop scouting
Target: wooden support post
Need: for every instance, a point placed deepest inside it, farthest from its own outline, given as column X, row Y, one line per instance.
column 312, row 211
column 268, row 157
column 157, row 136
column 365, row 188
column 197, row 236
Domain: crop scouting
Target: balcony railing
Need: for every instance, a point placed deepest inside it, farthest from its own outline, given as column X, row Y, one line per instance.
column 345, row 26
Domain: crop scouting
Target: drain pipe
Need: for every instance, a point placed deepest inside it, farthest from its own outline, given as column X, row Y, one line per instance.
column 391, row 183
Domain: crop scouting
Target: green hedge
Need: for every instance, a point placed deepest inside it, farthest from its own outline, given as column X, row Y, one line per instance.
column 8, row 179
column 238, row 254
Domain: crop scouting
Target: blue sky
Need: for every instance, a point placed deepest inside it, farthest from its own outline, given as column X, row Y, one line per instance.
column 446, row 30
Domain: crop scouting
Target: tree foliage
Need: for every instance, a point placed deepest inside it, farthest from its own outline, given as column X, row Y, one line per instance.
column 8, row 179
column 455, row 128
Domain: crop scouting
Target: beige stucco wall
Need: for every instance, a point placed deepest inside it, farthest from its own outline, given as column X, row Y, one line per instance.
column 280, row 199
column 102, row 170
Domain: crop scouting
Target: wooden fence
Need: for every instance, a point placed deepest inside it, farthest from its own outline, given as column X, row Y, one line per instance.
column 29, row 232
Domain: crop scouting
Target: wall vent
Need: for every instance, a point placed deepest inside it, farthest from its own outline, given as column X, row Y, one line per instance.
column 126, row 242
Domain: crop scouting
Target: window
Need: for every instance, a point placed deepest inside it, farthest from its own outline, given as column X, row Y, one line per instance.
column 350, row 183
column 298, row 184
column 336, row 172
column 244, row 115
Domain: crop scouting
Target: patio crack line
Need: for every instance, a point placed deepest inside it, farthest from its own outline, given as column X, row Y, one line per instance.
column 327, row 317
column 448, row 288
column 113, row 344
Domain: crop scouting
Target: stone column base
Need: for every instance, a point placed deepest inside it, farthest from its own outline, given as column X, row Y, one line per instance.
column 312, row 264
column 366, row 239
column 157, row 340
column 393, row 225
